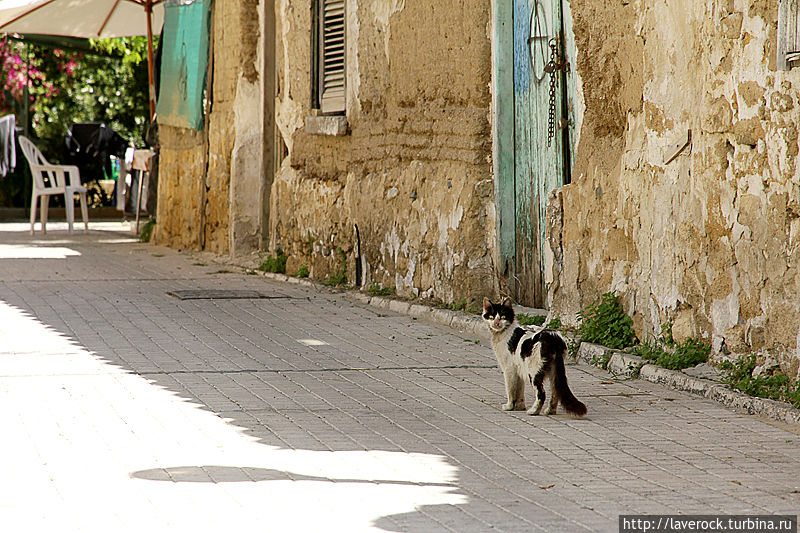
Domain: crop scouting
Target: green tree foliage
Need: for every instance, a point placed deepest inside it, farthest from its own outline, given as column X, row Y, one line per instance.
column 107, row 84
column 108, row 88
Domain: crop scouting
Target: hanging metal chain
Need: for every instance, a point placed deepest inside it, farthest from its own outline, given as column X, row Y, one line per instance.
column 552, row 68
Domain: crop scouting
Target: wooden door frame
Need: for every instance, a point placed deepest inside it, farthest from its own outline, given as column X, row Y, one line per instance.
column 269, row 131
column 503, row 139
column 504, row 132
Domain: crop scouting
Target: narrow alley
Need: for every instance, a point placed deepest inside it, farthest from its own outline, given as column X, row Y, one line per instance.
column 127, row 408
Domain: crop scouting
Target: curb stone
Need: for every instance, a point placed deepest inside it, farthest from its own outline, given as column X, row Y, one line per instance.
column 623, row 364
column 619, row 363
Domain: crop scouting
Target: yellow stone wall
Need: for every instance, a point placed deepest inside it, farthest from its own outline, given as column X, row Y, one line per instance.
column 414, row 172
column 210, row 180
column 709, row 241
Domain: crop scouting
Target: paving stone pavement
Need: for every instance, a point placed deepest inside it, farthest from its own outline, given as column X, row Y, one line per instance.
column 125, row 408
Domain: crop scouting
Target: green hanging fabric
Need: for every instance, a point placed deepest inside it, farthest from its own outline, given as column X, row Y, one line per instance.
column 184, row 63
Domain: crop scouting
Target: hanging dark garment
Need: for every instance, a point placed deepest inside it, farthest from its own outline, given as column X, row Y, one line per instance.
column 8, row 144
column 89, row 146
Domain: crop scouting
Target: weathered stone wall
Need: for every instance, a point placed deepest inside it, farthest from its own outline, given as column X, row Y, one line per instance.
column 414, row 172
column 709, row 241
column 182, row 163
column 210, row 181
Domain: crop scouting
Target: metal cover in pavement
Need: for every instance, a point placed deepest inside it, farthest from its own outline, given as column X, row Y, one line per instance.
column 220, row 294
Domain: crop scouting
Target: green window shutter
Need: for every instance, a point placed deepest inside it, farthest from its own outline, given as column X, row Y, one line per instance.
column 788, row 49
column 332, row 56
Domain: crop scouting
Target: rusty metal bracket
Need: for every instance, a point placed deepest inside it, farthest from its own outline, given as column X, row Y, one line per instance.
column 675, row 149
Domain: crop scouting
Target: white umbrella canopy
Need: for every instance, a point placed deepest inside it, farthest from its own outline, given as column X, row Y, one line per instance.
column 92, row 19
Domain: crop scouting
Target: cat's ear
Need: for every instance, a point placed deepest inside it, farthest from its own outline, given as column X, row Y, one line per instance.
column 487, row 305
column 508, row 303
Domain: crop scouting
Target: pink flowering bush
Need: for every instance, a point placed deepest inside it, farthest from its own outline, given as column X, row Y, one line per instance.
column 17, row 73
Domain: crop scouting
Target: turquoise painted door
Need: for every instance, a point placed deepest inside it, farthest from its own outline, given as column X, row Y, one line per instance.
column 542, row 137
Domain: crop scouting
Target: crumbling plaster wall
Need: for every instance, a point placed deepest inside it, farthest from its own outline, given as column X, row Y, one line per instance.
column 414, row 171
column 709, row 241
column 210, row 180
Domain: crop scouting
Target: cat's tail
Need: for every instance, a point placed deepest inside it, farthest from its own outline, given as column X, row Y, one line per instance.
column 571, row 404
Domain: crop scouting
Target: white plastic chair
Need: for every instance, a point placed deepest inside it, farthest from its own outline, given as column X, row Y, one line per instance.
column 49, row 180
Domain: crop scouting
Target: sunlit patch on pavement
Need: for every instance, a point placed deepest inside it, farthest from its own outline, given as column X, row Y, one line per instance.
column 312, row 342
column 88, row 446
column 24, row 251
column 61, row 226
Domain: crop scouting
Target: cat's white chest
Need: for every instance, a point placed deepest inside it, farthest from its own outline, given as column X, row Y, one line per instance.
column 507, row 360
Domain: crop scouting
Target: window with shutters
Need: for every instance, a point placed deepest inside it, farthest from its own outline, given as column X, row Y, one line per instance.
column 788, row 49
column 328, row 85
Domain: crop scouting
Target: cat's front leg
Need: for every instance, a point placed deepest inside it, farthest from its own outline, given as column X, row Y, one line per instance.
column 519, row 405
column 515, row 390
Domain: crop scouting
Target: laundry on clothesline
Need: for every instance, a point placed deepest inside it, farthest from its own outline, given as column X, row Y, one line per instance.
column 8, row 144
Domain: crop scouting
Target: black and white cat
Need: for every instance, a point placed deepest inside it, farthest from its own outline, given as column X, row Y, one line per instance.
column 535, row 354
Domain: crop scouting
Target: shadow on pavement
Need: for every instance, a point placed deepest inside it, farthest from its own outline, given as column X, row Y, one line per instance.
column 237, row 474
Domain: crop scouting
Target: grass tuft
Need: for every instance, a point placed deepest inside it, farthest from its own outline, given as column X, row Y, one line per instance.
column 275, row 264
column 605, row 322
column 338, row 277
column 146, row 233
column 689, row 353
column 530, row 320
column 375, row 289
column 778, row 386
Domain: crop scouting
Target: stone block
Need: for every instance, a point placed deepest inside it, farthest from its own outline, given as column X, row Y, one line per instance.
column 589, row 352
column 335, row 125
column 732, row 25
column 748, row 131
column 399, row 306
column 718, row 116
